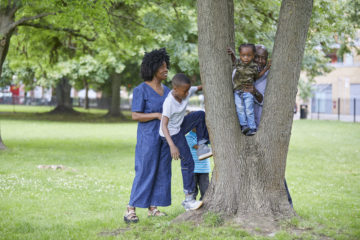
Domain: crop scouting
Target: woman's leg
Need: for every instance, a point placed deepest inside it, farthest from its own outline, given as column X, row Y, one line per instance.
column 161, row 191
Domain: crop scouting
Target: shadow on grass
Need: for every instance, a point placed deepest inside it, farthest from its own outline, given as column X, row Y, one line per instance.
column 76, row 116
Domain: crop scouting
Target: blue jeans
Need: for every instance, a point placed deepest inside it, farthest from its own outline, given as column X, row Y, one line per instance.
column 244, row 102
column 192, row 120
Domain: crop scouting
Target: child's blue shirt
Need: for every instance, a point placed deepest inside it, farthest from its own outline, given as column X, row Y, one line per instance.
column 202, row 166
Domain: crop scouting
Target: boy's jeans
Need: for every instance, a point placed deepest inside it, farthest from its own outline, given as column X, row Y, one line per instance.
column 244, row 102
column 192, row 120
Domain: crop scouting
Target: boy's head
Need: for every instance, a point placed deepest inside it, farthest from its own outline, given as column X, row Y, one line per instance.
column 247, row 52
column 261, row 56
column 181, row 85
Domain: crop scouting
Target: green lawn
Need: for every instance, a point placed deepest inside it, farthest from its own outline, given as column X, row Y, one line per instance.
column 88, row 200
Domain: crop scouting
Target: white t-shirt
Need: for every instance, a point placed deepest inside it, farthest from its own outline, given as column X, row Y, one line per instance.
column 175, row 111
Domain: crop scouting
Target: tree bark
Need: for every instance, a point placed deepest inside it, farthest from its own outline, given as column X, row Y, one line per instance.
column 63, row 99
column 2, row 145
column 86, row 85
column 114, row 110
column 7, row 18
column 248, row 178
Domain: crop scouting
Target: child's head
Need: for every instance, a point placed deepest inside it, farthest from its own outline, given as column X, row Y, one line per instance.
column 181, row 85
column 247, row 52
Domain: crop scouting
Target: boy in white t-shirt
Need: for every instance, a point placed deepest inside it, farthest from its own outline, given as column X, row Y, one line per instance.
column 173, row 128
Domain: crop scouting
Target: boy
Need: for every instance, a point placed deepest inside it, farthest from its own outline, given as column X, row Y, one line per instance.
column 173, row 128
column 244, row 76
column 202, row 168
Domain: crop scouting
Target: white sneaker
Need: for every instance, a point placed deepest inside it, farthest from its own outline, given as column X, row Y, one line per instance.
column 191, row 204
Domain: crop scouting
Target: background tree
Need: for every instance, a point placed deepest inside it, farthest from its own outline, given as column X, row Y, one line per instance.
column 247, row 182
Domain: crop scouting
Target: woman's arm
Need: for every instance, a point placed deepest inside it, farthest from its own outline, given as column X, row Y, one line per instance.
column 145, row 117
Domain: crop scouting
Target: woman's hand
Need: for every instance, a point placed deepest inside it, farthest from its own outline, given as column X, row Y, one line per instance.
column 175, row 154
column 159, row 116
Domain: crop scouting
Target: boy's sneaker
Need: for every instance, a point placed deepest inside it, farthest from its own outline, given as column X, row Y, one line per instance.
column 244, row 129
column 251, row 132
column 191, row 204
column 203, row 152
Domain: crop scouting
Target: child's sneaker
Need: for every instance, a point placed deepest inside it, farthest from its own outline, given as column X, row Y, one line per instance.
column 203, row 152
column 191, row 204
column 251, row 132
column 244, row 129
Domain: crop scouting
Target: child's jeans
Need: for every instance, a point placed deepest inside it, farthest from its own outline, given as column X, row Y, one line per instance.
column 192, row 120
column 244, row 102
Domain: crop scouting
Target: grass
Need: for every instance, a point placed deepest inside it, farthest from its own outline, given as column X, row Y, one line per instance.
column 88, row 203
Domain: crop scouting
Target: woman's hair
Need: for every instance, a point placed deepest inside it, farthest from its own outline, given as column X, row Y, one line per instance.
column 248, row 45
column 152, row 61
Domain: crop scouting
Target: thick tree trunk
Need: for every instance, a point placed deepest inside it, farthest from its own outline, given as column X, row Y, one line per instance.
column 248, row 177
column 114, row 110
column 6, row 20
column 63, row 99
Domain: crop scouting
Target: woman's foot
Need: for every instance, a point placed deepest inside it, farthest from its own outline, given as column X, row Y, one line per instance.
column 130, row 215
column 154, row 212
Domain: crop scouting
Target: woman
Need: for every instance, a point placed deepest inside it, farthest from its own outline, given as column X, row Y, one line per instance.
column 152, row 182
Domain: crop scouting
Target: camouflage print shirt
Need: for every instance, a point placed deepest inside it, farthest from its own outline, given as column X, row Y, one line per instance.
column 245, row 75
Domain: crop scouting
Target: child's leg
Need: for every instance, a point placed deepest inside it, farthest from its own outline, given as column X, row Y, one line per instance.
column 240, row 109
column 196, row 120
column 203, row 183
column 249, row 109
column 196, row 179
column 187, row 162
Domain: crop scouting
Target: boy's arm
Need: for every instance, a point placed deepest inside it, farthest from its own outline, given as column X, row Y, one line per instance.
column 232, row 55
column 175, row 154
column 199, row 88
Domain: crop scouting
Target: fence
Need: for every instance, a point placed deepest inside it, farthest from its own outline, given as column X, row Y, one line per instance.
column 101, row 103
column 347, row 110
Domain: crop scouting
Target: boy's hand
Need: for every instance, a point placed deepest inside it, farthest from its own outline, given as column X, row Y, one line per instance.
column 175, row 154
column 196, row 146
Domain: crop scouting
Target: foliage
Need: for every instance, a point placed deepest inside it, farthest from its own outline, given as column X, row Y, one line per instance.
column 305, row 90
column 7, row 75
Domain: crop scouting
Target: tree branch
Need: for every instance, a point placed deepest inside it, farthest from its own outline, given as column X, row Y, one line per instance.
column 26, row 19
column 127, row 18
column 73, row 32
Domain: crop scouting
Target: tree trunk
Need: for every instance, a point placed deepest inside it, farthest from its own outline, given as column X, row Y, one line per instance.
column 248, row 178
column 114, row 110
column 63, row 99
column 86, row 84
column 2, row 145
column 6, row 19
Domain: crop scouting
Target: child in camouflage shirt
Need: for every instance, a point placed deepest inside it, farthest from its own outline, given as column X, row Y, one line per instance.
column 244, row 76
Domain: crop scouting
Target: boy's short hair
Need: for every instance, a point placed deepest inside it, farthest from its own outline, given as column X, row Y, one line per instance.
column 180, row 79
column 248, row 45
column 152, row 61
